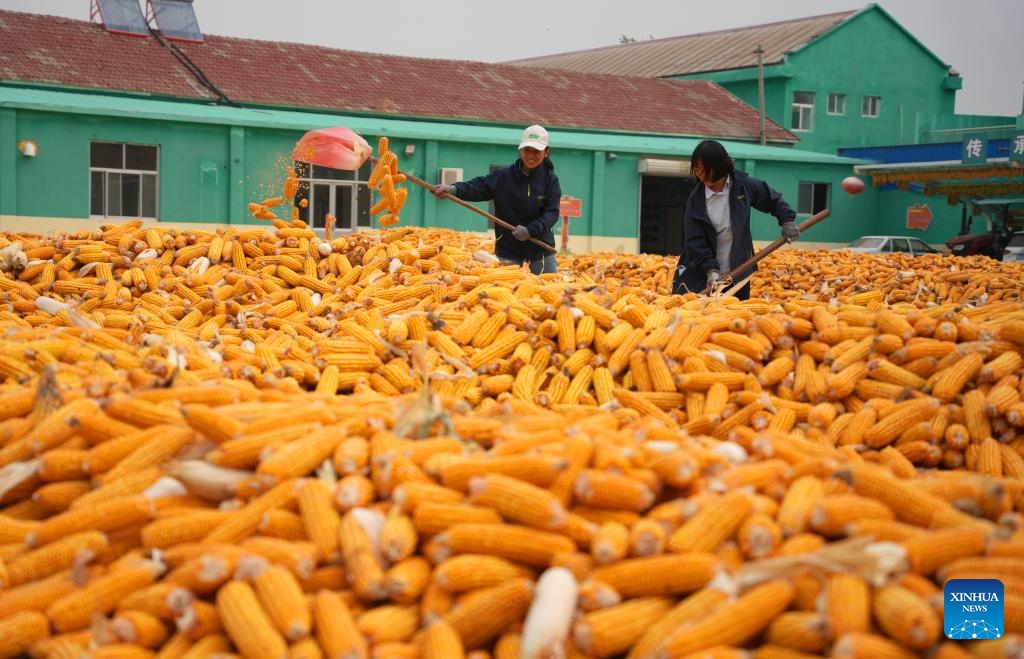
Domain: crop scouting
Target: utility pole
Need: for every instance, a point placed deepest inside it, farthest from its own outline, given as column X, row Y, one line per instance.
column 763, row 133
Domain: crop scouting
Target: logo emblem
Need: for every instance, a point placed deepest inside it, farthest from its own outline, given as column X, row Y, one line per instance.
column 973, row 609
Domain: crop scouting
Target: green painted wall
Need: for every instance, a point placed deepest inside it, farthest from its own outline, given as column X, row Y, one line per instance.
column 211, row 170
column 933, row 128
column 193, row 155
column 868, row 55
column 892, row 216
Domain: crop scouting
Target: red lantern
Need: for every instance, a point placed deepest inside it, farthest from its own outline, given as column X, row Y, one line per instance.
column 853, row 185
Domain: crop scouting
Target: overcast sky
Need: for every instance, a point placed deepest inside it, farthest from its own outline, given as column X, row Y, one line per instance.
column 981, row 39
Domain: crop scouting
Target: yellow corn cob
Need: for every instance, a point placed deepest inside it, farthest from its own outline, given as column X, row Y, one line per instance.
column 658, row 575
column 930, row 551
column 833, row 513
column 203, row 574
column 903, row 416
column 397, row 537
column 610, row 543
column 441, row 641
column 567, row 342
column 388, row 623
column 468, row 572
column 335, row 626
column 187, row 527
column 909, row 504
column 800, row 498
column 538, row 469
column 320, row 518
column 800, row 630
column 54, row 557
column 406, row 580
column 517, row 543
column 906, row 617
column 974, row 417
column 302, row 456
column 20, row 631
column 410, row 494
column 247, row 623
column 756, row 607
column 245, row 521
column 687, row 611
column 57, row 497
column 759, row 536
column 486, row 615
column 714, row 523
column 605, row 489
column 499, row 349
column 283, row 601
column 518, row 500
column 612, row 630
column 140, row 628
column 847, row 603
column 74, row 610
column 948, row 383
column 104, row 516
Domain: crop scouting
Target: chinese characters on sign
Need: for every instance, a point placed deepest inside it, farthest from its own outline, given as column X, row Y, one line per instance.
column 974, row 149
column 1017, row 147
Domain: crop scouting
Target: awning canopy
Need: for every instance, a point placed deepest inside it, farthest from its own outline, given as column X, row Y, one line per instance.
column 999, row 181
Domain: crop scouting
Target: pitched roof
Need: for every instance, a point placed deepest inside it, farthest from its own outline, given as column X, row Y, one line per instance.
column 47, row 50
column 694, row 53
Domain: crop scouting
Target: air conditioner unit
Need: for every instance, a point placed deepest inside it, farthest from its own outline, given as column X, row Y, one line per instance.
column 661, row 167
column 449, row 175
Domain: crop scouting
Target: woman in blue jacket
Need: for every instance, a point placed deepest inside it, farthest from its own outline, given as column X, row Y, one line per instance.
column 716, row 223
column 526, row 195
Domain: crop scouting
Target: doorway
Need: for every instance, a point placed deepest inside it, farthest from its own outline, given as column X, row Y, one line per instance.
column 662, row 202
column 343, row 194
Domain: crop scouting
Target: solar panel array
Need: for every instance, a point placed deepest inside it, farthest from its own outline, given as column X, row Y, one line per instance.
column 122, row 16
column 176, row 19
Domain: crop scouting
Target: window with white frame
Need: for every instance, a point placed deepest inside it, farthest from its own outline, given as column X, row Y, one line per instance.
column 803, row 110
column 812, row 197
column 123, row 180
column 869, row 106
column 836, row 103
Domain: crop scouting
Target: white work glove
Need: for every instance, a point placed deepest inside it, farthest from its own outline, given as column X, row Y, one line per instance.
column 790, row 231
column 521, row 233
column 713, row 277
column 443, row 189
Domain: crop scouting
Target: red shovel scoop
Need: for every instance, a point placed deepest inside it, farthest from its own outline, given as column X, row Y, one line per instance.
column 341, row 148
column 337, row 148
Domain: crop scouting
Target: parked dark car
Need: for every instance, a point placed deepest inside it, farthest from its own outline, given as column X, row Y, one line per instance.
column 974, row 243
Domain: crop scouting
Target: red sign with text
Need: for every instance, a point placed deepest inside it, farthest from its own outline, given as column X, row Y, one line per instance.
column 919, row 216
column 570, row 206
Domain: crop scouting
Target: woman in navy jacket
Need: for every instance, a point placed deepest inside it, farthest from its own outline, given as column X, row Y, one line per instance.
column 716, row 223
column 526, row 194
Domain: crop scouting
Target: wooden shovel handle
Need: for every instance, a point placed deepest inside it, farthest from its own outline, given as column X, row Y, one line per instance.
column 778, row 242
column 465, row 204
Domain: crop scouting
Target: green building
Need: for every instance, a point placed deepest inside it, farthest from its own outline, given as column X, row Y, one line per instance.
column 192, row 132
column 840, row 82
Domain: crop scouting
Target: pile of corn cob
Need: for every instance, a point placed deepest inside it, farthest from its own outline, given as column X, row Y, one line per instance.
column 789, row 476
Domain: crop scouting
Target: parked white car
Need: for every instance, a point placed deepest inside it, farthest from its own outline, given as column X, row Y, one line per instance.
column 885, row 244
column 1014, row 250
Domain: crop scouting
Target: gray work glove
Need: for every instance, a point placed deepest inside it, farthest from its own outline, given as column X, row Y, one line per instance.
column 444, row 189
column 713, row 277
column 790, row 231
column 521, row 233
